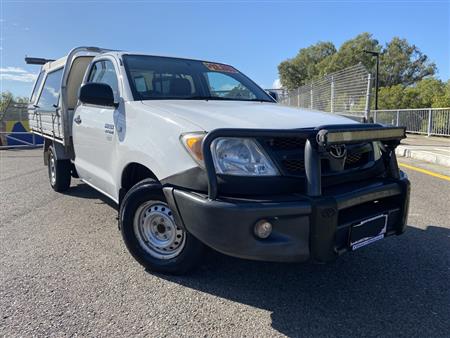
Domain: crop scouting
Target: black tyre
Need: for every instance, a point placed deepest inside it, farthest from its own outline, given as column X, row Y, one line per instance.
column 58, row 171
column 151, row 234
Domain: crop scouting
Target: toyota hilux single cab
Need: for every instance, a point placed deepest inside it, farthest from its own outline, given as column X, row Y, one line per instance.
column 196, row 155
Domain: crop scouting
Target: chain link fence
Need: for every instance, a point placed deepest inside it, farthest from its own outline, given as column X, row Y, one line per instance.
column 347, row 90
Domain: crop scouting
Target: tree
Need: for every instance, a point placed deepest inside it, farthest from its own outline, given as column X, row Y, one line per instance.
column 351, row 53
column 390, row 97
column 305, row 66
column 429, row 92
column 400, row 62
column 443, row 101
column 403, row 63
column 5, row 99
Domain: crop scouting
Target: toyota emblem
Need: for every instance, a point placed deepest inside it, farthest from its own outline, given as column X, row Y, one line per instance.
column 338, row 151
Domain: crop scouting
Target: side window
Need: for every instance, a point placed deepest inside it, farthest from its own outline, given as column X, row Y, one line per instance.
column 50, row 93
column 222, row 85
column 104, row 72
column 37, row 86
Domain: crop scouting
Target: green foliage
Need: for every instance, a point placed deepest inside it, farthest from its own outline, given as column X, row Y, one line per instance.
column 349, row 54
column 429, row 92
column 405, row 74
column 391, row 97
column 401, row 64
column 5, row 99
column 444, row 99
column 306, row 65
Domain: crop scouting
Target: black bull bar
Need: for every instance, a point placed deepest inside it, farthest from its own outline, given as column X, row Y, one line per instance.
column 318, row 140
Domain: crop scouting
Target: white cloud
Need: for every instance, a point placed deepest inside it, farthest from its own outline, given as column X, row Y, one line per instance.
column 53, row 92
column 12, row 70
column 16, row 74
column 276, row 84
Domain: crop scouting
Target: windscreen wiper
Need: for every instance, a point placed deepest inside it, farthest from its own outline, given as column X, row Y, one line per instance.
column 258, row 100
column 198, row 97
column 204, row 97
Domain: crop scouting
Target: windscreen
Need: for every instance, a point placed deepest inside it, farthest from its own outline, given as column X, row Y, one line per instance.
column 159, row 78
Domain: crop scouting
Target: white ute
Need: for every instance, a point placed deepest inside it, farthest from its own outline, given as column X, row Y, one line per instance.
column 195, row 154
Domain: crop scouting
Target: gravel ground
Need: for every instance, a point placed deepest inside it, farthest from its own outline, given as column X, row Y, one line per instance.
column 64, row 271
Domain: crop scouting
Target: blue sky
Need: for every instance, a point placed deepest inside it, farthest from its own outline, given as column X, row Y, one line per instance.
column 254, row 36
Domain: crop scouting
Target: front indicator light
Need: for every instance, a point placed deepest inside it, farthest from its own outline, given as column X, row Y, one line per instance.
column 193, row 144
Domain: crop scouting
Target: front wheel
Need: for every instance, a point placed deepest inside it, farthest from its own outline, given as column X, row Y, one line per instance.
column 151, row 234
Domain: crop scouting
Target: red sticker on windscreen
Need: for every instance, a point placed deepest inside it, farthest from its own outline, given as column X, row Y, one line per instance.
column 218, row 67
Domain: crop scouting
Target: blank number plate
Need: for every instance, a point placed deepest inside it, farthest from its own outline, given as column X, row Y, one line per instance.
column 368, row 231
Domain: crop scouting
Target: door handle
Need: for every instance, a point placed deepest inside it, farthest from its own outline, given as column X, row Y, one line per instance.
column 77, row 119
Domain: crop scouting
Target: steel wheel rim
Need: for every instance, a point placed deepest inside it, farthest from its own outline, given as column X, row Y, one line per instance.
column 156, row 230
column 52, row 170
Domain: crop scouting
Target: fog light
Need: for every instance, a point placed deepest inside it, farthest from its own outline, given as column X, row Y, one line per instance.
column 263, row 228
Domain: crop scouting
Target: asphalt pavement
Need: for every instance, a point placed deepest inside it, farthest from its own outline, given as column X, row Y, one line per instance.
column 64, row 271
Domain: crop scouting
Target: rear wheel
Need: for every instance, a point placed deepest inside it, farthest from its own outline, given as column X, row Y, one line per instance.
column 58, row 171
column 151, row 233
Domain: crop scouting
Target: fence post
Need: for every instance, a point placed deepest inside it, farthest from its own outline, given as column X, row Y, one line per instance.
column 332, row 94
column 367, row 108
column 398, row 118
column 289, row 97
column 430, row 121
column 298, row 97
column 312, row 96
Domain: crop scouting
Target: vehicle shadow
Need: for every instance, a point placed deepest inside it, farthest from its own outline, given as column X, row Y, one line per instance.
column 396, row 287
column 82, row 190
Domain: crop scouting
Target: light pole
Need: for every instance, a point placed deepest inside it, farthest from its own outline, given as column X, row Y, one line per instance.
column 377, row 55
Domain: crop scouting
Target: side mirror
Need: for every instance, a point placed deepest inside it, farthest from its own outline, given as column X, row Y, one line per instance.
column 274, row 95
column 99, row 94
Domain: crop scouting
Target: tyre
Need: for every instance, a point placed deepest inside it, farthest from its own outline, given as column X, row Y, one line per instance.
column 151, row 234
column 58, row 171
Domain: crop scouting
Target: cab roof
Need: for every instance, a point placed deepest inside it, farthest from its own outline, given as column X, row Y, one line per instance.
column 56, row 64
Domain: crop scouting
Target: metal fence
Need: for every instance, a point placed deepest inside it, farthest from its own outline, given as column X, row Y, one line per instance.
column 428, row 121
column 14, row 131
column 347, row 90
column 425, row 121
column 19, row 139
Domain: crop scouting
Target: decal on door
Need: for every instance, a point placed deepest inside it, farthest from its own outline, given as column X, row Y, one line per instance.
column 109, row 128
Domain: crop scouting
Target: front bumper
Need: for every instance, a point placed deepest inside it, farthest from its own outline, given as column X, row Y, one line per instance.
column 303, row 228
column 314, row 225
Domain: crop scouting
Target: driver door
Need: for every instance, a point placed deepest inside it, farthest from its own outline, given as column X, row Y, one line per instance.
column 94, row 134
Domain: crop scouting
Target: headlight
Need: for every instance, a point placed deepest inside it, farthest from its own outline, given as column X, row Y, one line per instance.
column 241, row 157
